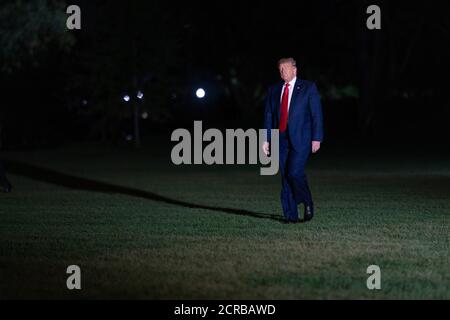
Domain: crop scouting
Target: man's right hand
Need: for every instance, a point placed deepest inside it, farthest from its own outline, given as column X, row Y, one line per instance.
column 265, row 148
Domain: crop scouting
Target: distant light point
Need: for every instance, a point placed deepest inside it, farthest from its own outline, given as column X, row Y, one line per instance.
column 200, row 93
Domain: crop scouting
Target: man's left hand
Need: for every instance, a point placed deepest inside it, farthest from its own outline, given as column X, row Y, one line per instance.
column 315, row 146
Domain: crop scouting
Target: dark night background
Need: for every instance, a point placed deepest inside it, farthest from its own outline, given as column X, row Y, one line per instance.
column 383, row 86
column 92, row 183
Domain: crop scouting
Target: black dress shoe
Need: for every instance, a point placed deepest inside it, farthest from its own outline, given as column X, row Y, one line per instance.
column 309, row 212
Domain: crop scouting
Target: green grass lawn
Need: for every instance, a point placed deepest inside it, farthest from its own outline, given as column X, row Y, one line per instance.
column 140, row 227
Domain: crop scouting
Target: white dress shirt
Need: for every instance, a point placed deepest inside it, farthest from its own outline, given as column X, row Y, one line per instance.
column 291, row 89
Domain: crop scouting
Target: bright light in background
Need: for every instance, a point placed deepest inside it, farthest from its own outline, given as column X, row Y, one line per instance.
column 140, row 95
column 126, row 98
column 144, row 115
column 200, row 93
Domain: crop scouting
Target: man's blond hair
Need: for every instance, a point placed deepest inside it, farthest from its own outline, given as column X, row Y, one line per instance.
column 287, row 60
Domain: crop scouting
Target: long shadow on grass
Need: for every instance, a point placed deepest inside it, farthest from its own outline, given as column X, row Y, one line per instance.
column 69, row 181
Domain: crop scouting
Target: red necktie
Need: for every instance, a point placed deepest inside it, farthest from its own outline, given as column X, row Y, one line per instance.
column 284, row 108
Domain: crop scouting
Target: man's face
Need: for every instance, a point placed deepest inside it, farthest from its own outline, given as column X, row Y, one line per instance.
column 287, row 71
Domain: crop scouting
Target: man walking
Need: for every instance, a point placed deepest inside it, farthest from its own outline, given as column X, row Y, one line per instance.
column 293, row 106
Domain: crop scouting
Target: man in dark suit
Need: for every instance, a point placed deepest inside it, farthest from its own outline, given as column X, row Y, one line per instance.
column 4, row 183
column 293, row 106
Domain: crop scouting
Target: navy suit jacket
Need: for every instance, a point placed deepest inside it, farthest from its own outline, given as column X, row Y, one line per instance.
column 305, row 122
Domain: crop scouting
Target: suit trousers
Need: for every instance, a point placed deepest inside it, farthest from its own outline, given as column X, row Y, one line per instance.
column 294, row 188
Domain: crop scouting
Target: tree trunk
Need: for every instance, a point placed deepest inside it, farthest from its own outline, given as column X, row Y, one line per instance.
column 135, row 103
column 372, row 62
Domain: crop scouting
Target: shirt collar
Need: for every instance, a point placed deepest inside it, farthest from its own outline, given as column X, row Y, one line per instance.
column 292, row 82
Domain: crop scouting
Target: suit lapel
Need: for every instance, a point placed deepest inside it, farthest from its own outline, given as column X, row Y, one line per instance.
column 297, row 91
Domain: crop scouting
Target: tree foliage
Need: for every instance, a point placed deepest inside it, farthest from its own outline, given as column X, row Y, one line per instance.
column 29, row 29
